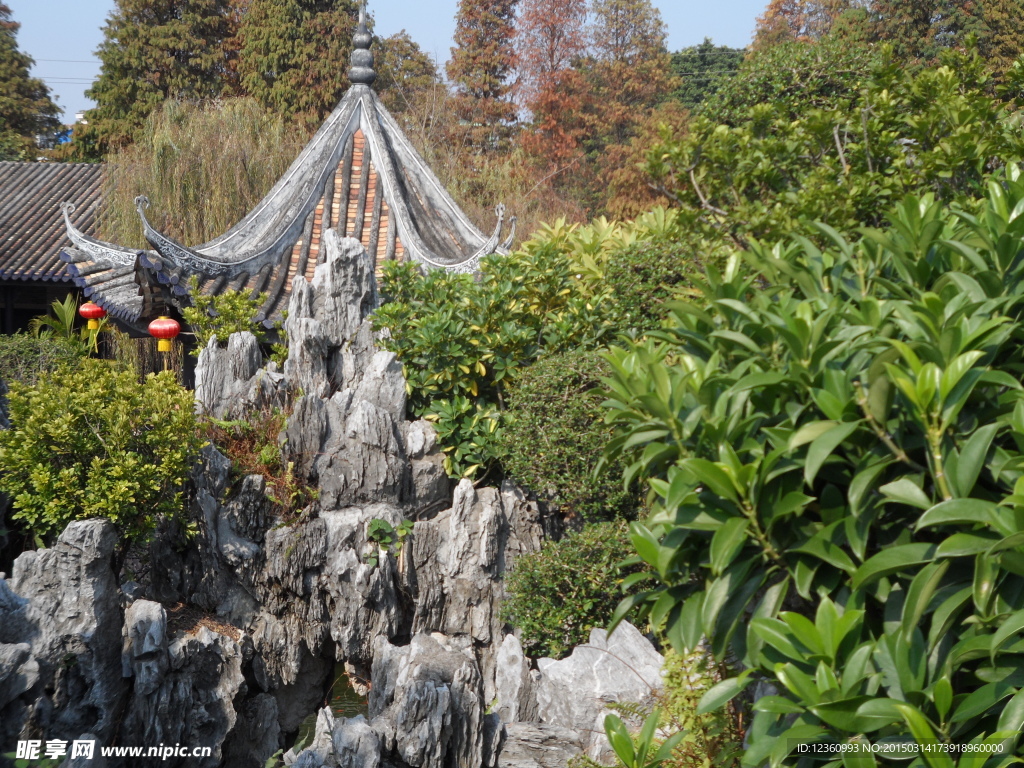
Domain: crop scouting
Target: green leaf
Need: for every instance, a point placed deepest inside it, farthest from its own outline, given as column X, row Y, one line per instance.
column 942, row 695
column 893, row 560
column 979, row 701
column 851, row 716
column 725, row 691
column 972, row 458
column 920, row 594
column 908, row 492
column 727, row 543
column 711, row 475
column 808, row 433
column 923, row 734
column 965, row 512
column 1008, row 627
column 824, row 446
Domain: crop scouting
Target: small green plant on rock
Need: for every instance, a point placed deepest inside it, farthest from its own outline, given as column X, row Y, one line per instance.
column 218, row 316
column 252, row 445
column 383, row 536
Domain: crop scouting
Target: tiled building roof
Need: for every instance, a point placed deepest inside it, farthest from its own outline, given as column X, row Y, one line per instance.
column 32, row 230
column 359, row 175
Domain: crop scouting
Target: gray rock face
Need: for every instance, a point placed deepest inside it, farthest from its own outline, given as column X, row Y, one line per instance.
column 231, row 382
column 535, row 745
column 427, row 703
column 572, row 693
column 73, row 613
column 516, row 699
column 191, row 700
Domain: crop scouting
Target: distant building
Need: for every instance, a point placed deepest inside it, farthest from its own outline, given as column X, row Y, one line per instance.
column 358, row 174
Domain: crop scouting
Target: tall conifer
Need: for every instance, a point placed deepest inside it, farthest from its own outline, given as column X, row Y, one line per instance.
column 480, row 68
column 154, row 50
column 26, row 108
column 293, row 54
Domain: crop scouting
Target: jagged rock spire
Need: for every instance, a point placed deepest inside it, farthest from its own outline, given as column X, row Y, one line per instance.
column 361, row 72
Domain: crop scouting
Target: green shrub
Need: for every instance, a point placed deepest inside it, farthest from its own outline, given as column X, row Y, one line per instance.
column 557, row 595
column 91, row 442
column 24, row 358
column 556, row 434
column 834, row 441
column 463, row 341
column 642, row 276
column 218, row 316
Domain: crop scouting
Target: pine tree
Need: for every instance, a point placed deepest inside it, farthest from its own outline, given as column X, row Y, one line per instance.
column 701, row 69
column 154, row 50
column 26, row 108
column 293, row 54
column 480, row 68
column 404, row 72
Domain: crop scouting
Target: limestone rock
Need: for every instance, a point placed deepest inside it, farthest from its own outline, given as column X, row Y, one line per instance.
column 572, row 693
column 356, row 744
column 429, row 700
column 73, row 607
column 535, row 745
column 230, row 381
column 192, row 702
column 145, row 646
column 515, row 697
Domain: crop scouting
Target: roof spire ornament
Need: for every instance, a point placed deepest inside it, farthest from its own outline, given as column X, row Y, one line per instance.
column 361, row 72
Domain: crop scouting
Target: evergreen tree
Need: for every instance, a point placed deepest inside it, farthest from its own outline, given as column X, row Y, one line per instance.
column 154, row 50
column 701, row 70
column 293, row 54
column 480, row 68
column 26, row 108
column 955, row 21
column 404, row 72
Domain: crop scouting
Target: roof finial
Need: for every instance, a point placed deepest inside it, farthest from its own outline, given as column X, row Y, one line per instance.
column 361, row 72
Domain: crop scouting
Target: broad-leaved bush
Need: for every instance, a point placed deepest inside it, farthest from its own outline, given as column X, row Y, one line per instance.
column 90, row 442
column 833, row 440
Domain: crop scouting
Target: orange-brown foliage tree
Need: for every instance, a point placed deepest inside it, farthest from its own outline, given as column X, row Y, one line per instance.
column 480, row 68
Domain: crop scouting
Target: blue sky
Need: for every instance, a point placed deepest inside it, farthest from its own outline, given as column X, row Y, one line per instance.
column 62, row 35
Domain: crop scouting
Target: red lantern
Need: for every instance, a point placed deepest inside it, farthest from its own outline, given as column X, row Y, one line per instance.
column 93, row 313
column 165, row 330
